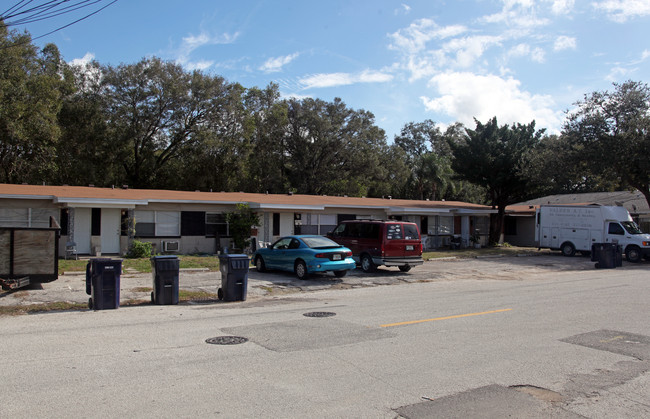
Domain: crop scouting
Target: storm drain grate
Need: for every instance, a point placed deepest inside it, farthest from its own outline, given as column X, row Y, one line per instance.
column 226, row 340
column 320, row 314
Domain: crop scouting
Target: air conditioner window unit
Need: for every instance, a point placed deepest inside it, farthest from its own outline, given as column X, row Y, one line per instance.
column 170, row 246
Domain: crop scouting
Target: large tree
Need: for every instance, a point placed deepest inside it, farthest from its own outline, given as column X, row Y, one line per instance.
column 157, row 110
column 32, row 84
column 86, row 154
column 332, row 149
column 266, row 126
column 429, row 159
column 613, row 129
column 494, row 157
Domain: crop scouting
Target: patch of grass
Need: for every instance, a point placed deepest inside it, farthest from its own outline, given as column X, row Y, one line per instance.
column 484, row 251
column 142, row 289
column 143, row 265
column 140, row 265
column 210, row 262
column 41, row 308
column 185, row 295
column 72, row 265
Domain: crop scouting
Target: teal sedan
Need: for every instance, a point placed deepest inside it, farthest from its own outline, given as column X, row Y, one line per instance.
column 304, row 255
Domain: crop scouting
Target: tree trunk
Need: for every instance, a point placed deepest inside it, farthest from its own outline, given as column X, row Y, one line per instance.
column 496, row 225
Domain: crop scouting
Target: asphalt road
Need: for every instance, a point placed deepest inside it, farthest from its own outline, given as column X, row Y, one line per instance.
column 520, row 337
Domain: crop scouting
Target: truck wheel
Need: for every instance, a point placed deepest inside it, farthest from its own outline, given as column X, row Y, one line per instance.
column 633, row 254
column 367, row 265
column 568, row 249
column 405, row 268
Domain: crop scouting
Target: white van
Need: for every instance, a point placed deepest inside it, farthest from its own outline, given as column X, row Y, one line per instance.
column 572, row 228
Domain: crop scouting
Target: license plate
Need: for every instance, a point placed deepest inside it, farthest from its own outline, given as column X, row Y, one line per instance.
column 336, row 257
column 409, row 247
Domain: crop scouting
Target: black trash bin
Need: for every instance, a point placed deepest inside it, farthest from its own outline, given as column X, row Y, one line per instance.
column 234, row 277
column 606, row 255
column 103, row 283
column 164, row 270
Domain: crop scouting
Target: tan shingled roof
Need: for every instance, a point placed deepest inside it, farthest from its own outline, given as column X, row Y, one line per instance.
column 90, row 193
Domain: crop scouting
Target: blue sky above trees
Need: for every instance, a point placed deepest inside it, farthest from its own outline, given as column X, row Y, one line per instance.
column 401, row 60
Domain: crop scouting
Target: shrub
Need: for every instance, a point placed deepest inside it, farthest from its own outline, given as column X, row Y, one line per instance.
column 140, row 249
column 240, row 222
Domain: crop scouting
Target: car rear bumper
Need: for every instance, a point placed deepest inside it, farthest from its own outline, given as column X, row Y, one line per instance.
column 405, row 261
column 328, row 266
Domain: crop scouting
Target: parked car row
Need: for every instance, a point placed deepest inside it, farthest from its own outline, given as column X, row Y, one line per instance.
column 367, row 243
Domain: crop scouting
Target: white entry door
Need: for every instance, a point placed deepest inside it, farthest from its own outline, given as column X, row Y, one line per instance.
column 82, row 219
column 110, row 230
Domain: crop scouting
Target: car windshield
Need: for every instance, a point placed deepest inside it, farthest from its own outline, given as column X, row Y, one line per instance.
column 319, row 242
column 631, row 227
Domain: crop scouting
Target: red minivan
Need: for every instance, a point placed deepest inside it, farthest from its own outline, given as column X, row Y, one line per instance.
column 374, row 243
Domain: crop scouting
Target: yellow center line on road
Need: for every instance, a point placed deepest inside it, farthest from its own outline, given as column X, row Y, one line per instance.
column 445, row 318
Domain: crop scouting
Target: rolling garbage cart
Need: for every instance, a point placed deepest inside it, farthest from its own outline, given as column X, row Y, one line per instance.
column 103, row 283
column 164, row 270
column 606, row 255
column 234, row 277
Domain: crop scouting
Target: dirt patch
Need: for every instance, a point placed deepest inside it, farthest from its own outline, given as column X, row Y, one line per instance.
column 540, row 393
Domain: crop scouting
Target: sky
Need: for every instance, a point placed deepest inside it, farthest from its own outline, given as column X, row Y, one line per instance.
column 404, row 61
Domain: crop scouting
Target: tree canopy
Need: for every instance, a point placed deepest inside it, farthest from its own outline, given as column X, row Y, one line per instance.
column 495, row 157
column 613, row 131
column 153, row 124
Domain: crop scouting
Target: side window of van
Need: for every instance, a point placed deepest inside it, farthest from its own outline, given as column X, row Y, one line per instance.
column 411, row 232
column 394, row 232
column 615, row 228
column 338, row 231
column 369, row 231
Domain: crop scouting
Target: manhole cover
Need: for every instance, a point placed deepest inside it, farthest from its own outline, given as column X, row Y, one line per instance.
column 226, row 340
column 320, row 314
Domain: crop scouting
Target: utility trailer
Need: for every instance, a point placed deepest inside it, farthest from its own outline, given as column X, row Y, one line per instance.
column 29, row 254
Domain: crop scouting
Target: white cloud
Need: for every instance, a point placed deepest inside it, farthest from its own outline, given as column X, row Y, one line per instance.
column 524, row 50
column 369, row 76
column 191, row 43
column 403, row 9
column 469, row 49
column 86, row 59
column 645, row 55
column 564, row 42
column 343, row 79
column 273, row 65
column 517, row 13
column 92, row 74
column 562, row 7
column 198, row 65
column 294, row 96
column 520, row 50
column 414, row 38
column 622, row 10
column 618, row 73
column 465, row 96
column 538, row 55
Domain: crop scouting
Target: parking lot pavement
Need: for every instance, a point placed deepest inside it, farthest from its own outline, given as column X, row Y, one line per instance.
column 71, row 287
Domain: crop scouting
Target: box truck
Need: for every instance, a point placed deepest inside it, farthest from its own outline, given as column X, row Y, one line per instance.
column 571, row 228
